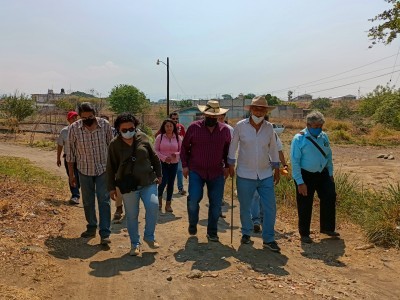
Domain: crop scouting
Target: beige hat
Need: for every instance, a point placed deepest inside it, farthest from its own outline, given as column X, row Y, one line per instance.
column 260, row 101
column 212, row 108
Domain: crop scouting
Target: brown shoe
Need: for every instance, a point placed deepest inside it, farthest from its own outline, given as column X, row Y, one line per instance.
column 168, row 207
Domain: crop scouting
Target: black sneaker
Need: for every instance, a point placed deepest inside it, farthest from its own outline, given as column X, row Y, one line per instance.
column 105, row 241
column 306, row 239
column 213, row 238
column 245, row 239
column 192, row 229
column 88, row 233
column 257, row 228
column 273, row 246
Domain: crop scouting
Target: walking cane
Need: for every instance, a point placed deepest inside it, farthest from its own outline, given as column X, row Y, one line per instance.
column 232, row 213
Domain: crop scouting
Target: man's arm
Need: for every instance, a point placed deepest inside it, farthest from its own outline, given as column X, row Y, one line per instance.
column 59, row 151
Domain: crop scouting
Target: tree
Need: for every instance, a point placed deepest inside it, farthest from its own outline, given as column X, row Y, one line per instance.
column 127, row 98
column 18, row 106
column 388, row 30
column 249, row 96
column 82, row 94
column 321, row 104
column 383, row 105
column 226, row 97
column 184, row 103
column 289, row 95
column 272, row 100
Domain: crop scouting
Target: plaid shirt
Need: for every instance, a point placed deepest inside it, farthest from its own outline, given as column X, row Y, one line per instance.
column 204, row 152
column 89, row 148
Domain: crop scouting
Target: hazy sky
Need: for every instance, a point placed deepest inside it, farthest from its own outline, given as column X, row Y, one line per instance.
column 215, row 47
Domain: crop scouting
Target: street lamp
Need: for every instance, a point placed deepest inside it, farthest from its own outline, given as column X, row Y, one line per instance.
column 167, row 64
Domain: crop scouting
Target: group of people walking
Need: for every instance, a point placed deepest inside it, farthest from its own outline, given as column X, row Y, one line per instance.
column 127, row 165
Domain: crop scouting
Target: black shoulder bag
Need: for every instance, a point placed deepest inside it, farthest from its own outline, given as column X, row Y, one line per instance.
column 316, row 145
column 128, row 183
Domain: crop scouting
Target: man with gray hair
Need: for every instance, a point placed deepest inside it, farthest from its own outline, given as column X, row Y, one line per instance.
column 312, row 170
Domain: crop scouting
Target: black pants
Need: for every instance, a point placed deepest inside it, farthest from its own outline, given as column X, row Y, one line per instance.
column 325, row 187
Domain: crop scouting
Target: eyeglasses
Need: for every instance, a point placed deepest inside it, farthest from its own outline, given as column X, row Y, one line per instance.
column 125, row 130
column 175, row 119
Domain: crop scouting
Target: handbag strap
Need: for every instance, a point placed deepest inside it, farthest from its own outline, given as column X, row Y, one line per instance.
column 316, row 145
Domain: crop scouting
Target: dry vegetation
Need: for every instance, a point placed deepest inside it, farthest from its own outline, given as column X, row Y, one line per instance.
column 30, row 213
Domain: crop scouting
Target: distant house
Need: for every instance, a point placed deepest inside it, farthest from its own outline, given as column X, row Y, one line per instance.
column 46, row 98
column 346, row 97
column 188, row 115
column 305, row 97
column 287, row 112
column 235, row 106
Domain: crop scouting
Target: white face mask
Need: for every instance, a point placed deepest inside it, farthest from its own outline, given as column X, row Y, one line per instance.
column 257, row 120
column 128, row 135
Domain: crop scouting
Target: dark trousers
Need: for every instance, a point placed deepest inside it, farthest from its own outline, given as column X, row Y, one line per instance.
column 325, row 187
column 168, row 179
column 74, row 189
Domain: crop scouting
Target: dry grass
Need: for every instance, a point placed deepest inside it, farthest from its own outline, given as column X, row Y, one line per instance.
column 31, row 211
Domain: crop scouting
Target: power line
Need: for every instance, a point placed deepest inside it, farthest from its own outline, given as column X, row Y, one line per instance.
column 304, row 84
column 354, row 82
column 395, row 62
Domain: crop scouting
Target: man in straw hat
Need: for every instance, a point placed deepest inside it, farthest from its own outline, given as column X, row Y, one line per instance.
column 258, row 156
column 204, row 159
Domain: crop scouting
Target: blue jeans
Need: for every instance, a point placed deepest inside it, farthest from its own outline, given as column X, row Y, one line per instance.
column 168, row 179
column 148, row 194
column 92, row 186
column 265, row 188
column 215, row 191
column 179, row 176
column 74, row 190
column 256, row 210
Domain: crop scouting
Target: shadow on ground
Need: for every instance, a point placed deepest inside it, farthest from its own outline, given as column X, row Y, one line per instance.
column 66, row 248
column 214, row 256
column 114, row 266
column 328, row 250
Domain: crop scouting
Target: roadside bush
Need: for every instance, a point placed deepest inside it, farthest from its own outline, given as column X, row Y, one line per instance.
column 378, row 213
column 338, row 136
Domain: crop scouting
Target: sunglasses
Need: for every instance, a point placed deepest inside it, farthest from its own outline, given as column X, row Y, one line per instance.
column 125, row 130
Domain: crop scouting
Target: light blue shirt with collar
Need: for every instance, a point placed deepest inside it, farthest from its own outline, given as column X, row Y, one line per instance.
column 304, row 155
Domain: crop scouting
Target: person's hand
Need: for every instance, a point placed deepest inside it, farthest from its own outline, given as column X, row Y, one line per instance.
column 226, row 173
column 231, row 170
column 302, row 188
column 277, row 176
column 185, row 172
column 58, row 162
column 72, row 180
column 168, row 159
column 159, row 180
column 113, row 195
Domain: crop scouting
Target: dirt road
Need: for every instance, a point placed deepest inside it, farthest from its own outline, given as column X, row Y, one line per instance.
column 327, row 269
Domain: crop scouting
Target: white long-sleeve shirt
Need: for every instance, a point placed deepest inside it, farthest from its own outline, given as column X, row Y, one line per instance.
column 258, row 151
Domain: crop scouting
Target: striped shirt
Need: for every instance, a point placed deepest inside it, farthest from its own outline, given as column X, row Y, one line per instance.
column 89, row 148
column 206, row 152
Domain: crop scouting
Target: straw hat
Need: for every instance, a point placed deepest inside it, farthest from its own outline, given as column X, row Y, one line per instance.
column 261, row 102
column 212, row 108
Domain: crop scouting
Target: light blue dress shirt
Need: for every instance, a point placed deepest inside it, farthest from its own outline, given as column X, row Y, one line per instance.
column 304, row 155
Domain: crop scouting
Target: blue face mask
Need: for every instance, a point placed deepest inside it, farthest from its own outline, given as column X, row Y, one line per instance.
column 128, row 135
column 315, row 131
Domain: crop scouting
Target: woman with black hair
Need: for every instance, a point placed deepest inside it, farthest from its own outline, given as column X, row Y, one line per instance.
column 135, row 169
column 168, row 145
